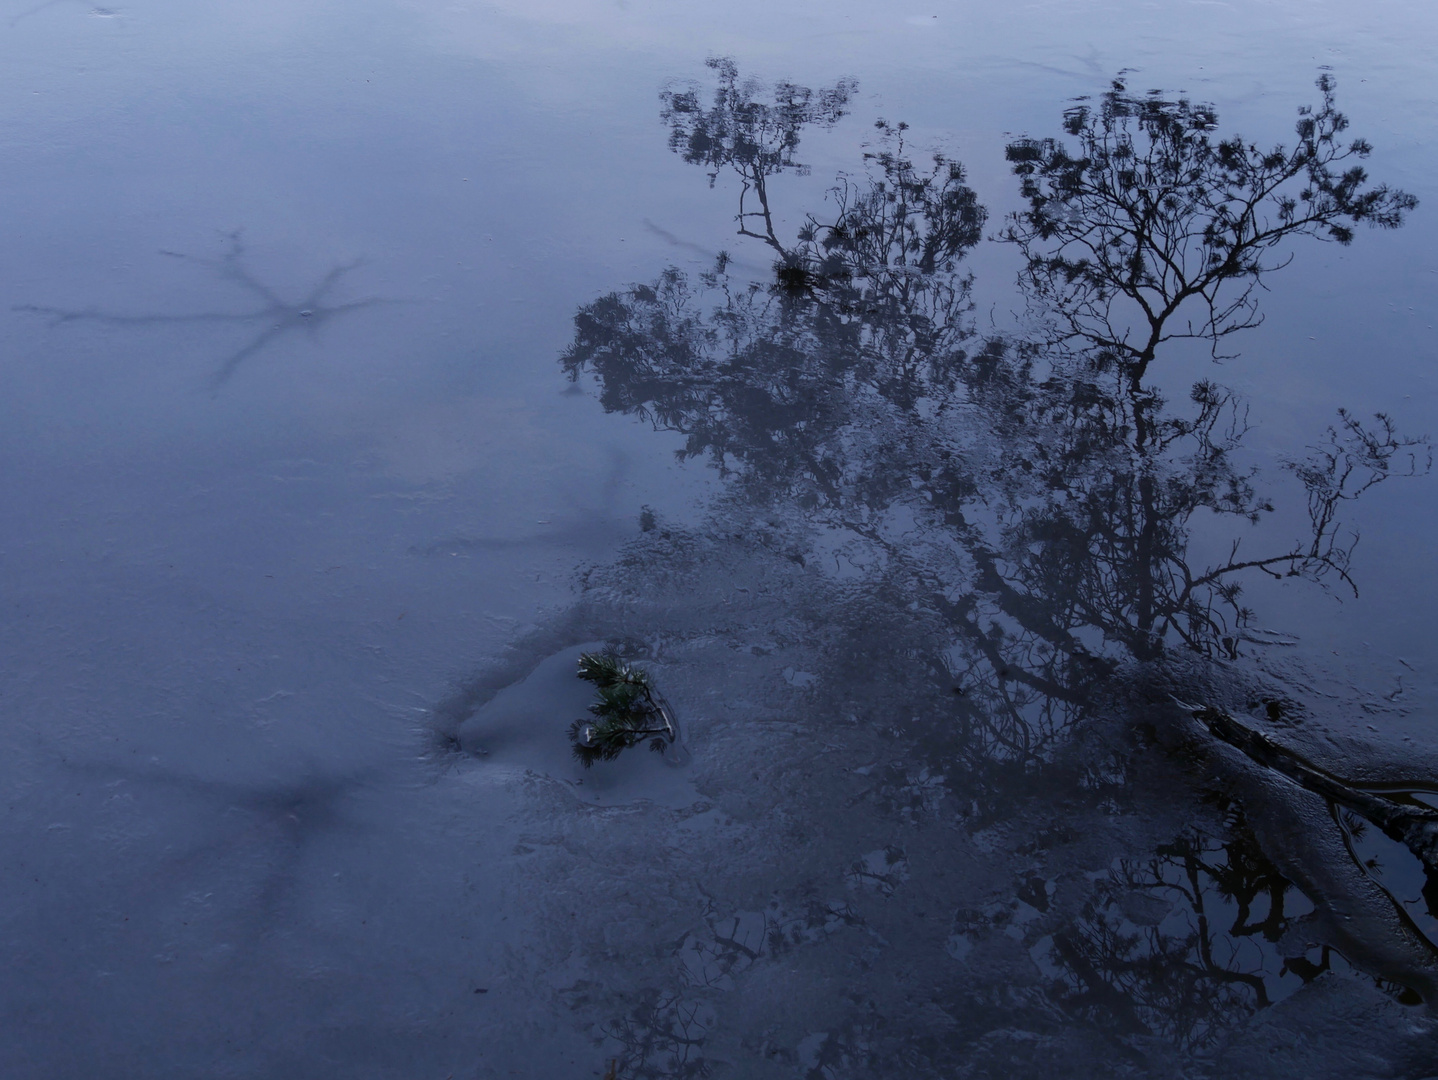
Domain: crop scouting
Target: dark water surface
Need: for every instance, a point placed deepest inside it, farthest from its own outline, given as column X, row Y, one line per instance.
column 988, row 520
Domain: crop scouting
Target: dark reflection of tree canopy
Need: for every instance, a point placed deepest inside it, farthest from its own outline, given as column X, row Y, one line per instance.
column 1153, row 218
column 754, row 138
column 1032, row 495
column 1040, row 496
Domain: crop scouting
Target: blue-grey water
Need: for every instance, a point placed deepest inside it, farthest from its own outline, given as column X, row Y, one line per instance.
column 366, row 363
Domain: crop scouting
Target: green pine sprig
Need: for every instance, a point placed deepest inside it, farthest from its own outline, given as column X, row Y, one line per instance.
column 626, row 713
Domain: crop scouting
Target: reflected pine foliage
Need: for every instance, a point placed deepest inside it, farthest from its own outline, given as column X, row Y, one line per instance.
column 753, row 137
column 1151, row 217
column 1034, row 491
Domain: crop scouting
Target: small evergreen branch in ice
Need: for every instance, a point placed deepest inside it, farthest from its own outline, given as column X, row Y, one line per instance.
column 628, row 712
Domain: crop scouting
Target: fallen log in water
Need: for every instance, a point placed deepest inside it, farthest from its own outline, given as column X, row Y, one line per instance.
column 1416, row 827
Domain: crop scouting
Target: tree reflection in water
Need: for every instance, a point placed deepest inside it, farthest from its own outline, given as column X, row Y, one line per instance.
column 1171, row 942
column 1027, row 501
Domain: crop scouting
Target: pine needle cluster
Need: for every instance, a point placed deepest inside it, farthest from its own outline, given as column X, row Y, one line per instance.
column 628, row 711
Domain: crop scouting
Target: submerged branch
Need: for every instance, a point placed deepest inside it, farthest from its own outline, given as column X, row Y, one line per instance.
column 1414, row 826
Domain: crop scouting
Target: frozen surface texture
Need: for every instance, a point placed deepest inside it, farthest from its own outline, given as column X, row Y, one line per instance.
column 966, row 419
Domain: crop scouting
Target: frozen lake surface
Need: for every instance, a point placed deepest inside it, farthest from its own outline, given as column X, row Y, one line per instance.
column 966, row 415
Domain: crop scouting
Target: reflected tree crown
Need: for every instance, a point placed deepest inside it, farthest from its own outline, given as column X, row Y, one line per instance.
column 1017, row 511
column 1153, row 229
column 867, row 306
column 755, row 138
column 898, row 226
column 1031, row 494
